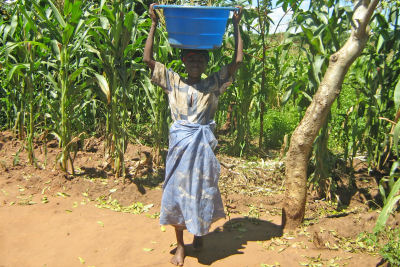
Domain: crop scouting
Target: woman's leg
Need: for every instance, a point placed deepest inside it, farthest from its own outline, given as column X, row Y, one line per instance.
column 197, row 243
column 179, row 256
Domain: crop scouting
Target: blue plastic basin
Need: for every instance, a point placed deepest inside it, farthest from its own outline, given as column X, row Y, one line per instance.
column 195, row 27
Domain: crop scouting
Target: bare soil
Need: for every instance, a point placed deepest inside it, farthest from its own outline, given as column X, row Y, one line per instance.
column 49, row 218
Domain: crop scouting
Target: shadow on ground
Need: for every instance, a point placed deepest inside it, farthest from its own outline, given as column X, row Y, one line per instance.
column 92, row 173
column 232, row 237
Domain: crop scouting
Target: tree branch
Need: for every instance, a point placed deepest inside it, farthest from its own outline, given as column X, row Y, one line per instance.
column 362, row 15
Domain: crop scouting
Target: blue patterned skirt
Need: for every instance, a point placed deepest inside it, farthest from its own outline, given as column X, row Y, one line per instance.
column 191, row 197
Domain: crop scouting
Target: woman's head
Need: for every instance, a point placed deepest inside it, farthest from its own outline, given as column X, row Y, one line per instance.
column 186, row 53
column 195, row 62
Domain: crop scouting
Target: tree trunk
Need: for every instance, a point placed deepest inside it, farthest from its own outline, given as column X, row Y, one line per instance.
column 227, row 127
column 304, row 135
column 60, row 5
column 263, row 94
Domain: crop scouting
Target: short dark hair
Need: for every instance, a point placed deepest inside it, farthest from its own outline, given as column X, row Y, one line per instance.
column 185, row 52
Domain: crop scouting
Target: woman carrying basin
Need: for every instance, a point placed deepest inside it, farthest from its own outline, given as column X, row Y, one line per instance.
column 191, row 199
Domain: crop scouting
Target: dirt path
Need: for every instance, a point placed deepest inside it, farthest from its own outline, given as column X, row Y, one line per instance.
column 50, row 219
column 59, row 234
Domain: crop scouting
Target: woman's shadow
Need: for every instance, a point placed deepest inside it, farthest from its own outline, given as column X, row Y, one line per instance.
column 231, row 237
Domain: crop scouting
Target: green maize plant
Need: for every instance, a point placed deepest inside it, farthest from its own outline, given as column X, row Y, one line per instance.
column 235, row 105
column 115, row 44
column 13, row 51
column 5, row 101
column 159, row 111
column 393, row 195
column 374, row 79
column 244, row 94
column 20, row 50
column 65, row 32
column 264, row 63
column 389, row 187
column 285, row 67
column 278, row 70
column 224, row 116
column 263, row 29
column 159, row 115
column 246, row 85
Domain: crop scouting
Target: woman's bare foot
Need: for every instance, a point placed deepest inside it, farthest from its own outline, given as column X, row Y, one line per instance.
column 179, row 256
column 197, row 243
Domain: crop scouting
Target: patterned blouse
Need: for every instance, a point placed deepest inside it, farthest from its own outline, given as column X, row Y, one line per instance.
column 195, row 103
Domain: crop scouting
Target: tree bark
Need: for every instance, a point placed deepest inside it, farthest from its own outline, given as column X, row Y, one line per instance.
column 263, row 94
column 60, row 5
column 304, row 135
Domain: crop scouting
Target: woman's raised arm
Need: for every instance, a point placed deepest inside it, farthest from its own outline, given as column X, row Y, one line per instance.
column 148, row 49
column 238, row 55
